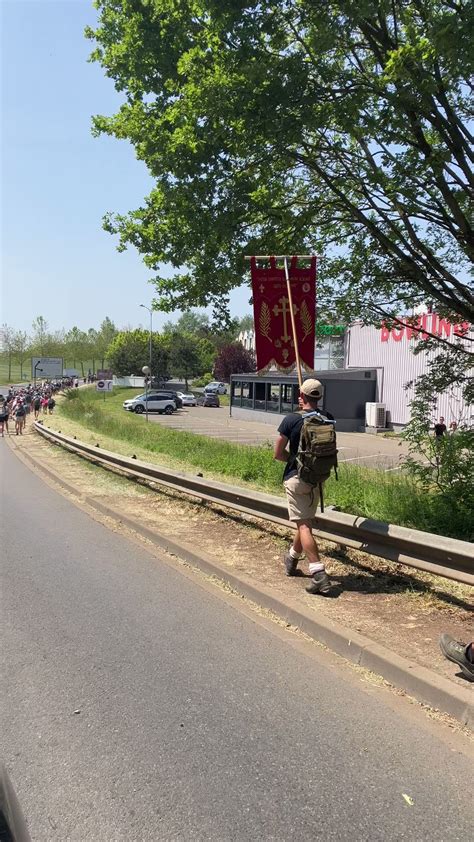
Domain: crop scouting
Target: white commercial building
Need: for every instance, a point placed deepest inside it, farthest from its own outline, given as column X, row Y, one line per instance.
column 390, row 353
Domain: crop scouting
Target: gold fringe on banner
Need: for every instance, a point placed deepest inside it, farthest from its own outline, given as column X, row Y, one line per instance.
column 284, row 369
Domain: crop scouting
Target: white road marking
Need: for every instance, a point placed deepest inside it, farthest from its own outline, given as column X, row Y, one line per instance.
column 356, row 458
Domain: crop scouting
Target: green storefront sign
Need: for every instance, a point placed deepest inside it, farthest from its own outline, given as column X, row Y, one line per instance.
column 330, row 330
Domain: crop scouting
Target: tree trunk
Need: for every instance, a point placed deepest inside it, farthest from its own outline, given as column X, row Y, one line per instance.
column 9, row 366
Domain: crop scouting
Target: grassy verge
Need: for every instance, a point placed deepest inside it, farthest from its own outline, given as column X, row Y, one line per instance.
column 359, row 491
column 15, row 372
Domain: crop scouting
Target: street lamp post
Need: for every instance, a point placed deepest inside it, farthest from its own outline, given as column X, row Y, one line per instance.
column 146, row 371
column 34, row 372
column 150, row 343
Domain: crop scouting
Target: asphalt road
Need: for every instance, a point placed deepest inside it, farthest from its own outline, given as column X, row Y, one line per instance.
column 139, row 705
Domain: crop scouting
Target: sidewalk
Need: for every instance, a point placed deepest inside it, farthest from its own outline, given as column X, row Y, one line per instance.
column 396, row 607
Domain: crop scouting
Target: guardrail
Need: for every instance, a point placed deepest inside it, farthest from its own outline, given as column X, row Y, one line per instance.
column 437, row 554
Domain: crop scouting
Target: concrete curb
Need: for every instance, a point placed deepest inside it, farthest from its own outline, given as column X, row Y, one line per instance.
column 425, row 685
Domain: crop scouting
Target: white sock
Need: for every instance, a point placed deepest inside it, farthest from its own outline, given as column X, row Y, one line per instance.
column 315, row 567
column 296, row 556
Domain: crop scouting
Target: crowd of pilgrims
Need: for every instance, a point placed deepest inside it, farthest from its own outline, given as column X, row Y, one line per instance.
column 34, row 400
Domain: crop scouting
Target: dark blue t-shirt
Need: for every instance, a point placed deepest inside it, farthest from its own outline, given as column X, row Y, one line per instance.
column 291, row 428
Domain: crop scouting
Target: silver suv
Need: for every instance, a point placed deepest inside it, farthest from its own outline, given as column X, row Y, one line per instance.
column 157, row 402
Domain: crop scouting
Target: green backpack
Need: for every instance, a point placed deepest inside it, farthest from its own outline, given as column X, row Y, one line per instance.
column 317, row 451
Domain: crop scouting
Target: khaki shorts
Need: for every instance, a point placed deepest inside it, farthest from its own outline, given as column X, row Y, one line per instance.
column 302, row 499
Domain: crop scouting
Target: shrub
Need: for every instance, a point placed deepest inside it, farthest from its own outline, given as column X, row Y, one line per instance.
column 204, row 380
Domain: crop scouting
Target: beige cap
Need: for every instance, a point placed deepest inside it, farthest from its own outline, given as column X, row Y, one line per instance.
column 312, row 388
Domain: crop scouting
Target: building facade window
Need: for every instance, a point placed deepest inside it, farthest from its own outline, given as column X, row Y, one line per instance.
column 329, row 353
column 273, row 397
column 236, row 392
column 247, row 395
column 260, row 397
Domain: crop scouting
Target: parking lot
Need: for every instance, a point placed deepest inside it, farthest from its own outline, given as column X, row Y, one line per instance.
column 358, row 448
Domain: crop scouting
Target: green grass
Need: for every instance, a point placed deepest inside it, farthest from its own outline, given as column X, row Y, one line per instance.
column 15, row 372
column 360, row 491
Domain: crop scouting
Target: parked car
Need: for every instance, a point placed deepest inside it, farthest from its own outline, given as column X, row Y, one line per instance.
column 211, row 399
column 159, row 382
column 216, row 388
column 174, row 395
column 187, row 399
column 156, row 401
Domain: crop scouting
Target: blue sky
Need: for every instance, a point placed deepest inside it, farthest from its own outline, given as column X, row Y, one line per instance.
column 58, row 181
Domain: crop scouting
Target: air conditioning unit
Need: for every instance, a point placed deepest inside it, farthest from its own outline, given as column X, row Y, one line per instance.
column 375, row 415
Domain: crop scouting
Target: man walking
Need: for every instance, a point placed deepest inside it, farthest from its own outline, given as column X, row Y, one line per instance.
column 440, row 428
column 459, row 653
column 20, row 417
column 36, row 405
column 302, row 497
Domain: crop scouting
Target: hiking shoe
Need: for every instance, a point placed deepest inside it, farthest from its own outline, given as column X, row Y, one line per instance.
column 291, row 565
column 320, row 583
column 455, row 651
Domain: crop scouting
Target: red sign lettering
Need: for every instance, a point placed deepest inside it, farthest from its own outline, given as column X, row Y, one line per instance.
column 422, row 327
column 444, row 327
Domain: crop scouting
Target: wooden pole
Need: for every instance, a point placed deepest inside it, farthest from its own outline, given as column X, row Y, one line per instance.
column 293, row 324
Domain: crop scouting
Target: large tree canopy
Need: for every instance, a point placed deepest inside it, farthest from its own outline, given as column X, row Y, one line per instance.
column 294, row 126
column 129, row 351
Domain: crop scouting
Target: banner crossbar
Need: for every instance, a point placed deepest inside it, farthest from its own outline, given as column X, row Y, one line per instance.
column 279, row 256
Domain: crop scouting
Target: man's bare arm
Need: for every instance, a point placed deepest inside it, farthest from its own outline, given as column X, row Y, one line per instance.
column 280, row 452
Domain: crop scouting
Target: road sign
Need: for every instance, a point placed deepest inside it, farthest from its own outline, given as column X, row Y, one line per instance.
column 46, row 368
column 104, row 374
column 104, row 385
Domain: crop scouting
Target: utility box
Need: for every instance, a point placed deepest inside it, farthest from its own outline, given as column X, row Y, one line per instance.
column 375, row 415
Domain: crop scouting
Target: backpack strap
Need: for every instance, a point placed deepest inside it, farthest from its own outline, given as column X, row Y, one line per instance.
column 316, row 414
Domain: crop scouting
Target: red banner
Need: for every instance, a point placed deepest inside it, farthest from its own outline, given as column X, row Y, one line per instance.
column 274, row 343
